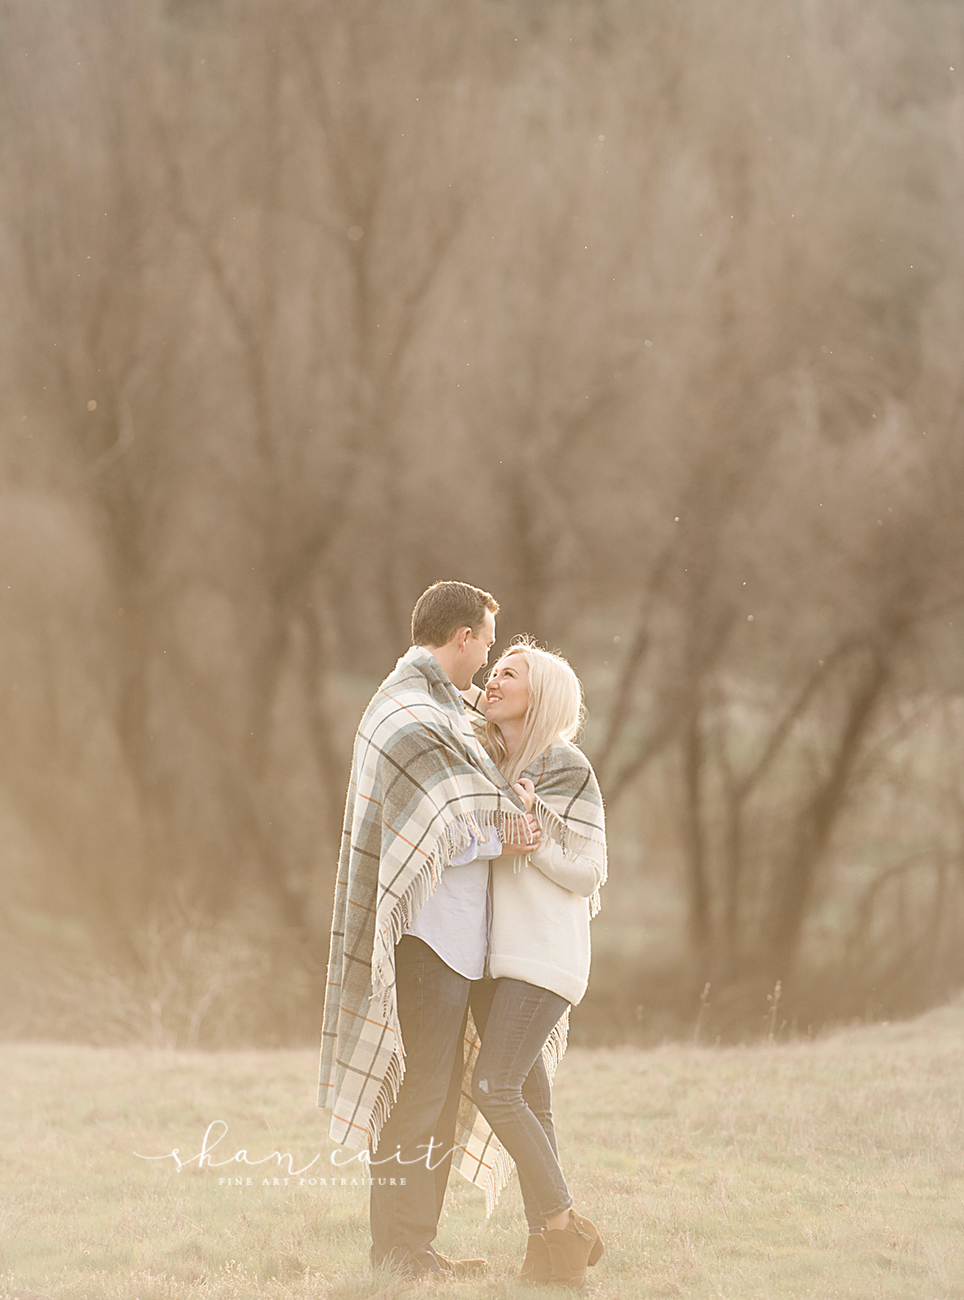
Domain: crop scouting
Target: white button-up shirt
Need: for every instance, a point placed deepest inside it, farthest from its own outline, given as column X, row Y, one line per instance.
column 454, row 922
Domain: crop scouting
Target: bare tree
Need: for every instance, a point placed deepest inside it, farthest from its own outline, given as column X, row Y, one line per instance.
column 647, row 319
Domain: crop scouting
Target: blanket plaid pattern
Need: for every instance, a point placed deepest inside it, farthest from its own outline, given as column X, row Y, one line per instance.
column 420, row 785
column 569, row 805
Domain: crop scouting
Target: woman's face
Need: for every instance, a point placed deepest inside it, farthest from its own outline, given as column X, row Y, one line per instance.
column 507, row 690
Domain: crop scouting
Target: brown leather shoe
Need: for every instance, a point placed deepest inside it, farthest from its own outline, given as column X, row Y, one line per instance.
column 571, row 1249
column 461, row 1267
column 536, row 1267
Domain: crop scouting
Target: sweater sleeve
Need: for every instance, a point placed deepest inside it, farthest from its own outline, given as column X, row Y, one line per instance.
column 580, row 875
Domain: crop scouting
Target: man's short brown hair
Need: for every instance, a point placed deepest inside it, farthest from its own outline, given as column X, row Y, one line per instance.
column 447, row 606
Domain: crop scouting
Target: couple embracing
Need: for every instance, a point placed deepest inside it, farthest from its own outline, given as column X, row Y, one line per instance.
column 472, row 854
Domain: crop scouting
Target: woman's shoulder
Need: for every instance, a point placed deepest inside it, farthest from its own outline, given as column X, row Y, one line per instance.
column 565, row 755
column 563, row 767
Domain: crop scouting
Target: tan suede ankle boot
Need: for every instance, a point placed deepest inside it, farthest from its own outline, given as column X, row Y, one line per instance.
column 571, row 1249
column 536, row 1267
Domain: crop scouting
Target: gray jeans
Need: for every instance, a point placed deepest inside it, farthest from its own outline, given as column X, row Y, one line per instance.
column 510, row 1086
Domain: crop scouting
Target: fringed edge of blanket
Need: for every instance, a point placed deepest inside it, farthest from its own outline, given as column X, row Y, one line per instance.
column 497, row 1179
column 556, row 1044
column 387, row 1093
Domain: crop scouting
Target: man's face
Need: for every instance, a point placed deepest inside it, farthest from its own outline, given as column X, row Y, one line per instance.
column 475, row 651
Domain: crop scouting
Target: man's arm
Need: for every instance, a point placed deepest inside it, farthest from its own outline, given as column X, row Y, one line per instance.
column 495, row 848
column 490, row 848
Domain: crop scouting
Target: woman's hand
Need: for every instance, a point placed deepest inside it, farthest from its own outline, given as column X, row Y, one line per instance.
column 519, row 847
column 526, row 792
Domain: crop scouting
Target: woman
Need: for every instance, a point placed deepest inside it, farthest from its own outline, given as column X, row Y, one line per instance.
column 539, row 943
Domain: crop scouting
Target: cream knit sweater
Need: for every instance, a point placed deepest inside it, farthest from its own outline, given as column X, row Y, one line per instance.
column 540, row 919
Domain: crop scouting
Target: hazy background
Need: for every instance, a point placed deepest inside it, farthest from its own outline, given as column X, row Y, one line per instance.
column 646, row 316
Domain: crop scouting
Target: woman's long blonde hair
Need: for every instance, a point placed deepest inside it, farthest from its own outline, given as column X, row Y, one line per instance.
column 555, row 709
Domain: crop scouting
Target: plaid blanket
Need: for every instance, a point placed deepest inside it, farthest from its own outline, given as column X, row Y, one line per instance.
column 420, row 785
column 569, row 805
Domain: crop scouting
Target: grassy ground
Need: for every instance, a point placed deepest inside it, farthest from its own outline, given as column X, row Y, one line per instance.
column 826, row 1169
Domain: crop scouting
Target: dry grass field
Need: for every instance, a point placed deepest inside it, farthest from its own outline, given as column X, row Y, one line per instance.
column 832, row 1168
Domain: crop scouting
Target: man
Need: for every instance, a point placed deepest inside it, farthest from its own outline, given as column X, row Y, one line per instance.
column 426, row 810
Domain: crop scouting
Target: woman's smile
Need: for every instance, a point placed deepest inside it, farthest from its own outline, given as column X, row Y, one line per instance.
column 507, row 690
